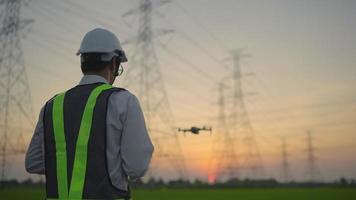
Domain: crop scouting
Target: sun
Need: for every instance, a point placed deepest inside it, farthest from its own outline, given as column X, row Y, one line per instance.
column 211, row 178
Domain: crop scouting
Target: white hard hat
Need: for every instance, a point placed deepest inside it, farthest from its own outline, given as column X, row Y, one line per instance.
column 102, row 41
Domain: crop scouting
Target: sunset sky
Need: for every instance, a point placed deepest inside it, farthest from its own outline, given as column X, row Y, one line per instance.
column 302, row 54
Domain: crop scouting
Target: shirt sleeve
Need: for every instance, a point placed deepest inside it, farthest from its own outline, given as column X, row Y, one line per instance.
column 136, row 145
column 34, row 161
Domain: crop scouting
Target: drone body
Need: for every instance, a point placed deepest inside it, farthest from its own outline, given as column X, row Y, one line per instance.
column 195, row 130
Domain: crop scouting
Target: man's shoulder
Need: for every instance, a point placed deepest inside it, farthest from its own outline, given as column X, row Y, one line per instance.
column 117, row 95
column 117, row 89
column 123, row 100
column 121, row 94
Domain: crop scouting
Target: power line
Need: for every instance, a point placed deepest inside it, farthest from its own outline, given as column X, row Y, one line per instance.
column 202, row 26
column 56, row 51
column 69, row 6
column 95, row 13
column 187, row 62
column 185, row 75
column 194, row 43
column 49, row 14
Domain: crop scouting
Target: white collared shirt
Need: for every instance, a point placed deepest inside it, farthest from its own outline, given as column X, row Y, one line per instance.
column 129, row 148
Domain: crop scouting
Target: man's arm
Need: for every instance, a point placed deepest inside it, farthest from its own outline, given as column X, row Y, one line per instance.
column 136, row 145
column 34, row 161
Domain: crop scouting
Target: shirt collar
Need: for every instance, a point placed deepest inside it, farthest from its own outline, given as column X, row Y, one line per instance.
column 89, row 79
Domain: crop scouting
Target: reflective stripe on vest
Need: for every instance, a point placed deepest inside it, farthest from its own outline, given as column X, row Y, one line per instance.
column 81, row 150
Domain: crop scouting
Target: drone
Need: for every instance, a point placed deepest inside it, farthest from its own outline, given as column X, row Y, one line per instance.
column 195, row 130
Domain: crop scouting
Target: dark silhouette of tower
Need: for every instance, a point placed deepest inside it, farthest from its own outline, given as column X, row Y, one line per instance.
column 251, row 160
column 312, row 170
column 285, row 161
column 15, row 98
column 226, row 160
column 145, row 78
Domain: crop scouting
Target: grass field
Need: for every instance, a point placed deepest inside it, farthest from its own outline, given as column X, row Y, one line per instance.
column 208, row 194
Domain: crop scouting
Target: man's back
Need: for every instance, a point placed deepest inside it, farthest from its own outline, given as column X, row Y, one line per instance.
column 118, row 145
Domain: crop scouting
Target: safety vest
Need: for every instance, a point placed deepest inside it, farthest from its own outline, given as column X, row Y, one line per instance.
column 75, row 145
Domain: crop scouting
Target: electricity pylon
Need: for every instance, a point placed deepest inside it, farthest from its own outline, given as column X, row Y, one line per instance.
column 15, row 98
column 145, row 79
column 227, row 161
column 285, row 161
column 312, row 169
column 251, row 159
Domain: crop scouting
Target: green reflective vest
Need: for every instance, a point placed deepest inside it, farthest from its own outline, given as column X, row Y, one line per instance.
column 80, row 160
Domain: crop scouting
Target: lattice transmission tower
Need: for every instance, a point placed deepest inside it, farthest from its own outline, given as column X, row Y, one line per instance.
column 225, row 157
column 250, row 159
column 286, row 175
column 16, row 112
column 312, row 169
column 144, row 77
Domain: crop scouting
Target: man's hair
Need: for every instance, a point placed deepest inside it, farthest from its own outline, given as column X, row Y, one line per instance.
column 91, row 62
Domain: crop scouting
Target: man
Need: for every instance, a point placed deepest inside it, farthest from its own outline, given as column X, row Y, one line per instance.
column 90, row 140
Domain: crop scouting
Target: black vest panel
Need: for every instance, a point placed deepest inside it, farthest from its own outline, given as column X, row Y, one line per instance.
column 97, row 183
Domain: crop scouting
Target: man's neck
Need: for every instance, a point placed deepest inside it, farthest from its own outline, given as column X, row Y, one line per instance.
column 97, row 74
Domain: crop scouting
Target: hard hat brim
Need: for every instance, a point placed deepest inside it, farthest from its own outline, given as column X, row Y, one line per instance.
column 120, row 53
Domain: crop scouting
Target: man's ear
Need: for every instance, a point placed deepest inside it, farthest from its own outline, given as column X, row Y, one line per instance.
column 112, row 65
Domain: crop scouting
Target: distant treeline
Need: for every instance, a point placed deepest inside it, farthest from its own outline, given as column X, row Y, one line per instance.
column 232, row 183
column 236, row 183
